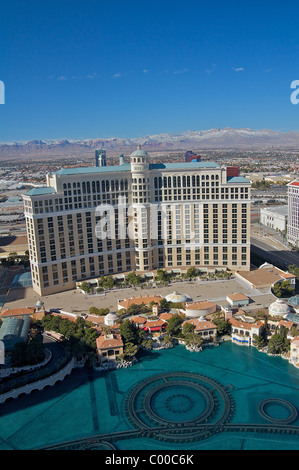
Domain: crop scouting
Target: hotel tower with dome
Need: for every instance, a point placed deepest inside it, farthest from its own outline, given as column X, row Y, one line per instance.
column 99, row 220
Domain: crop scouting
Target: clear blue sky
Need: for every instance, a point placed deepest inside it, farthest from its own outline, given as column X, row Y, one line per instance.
column 101, row 68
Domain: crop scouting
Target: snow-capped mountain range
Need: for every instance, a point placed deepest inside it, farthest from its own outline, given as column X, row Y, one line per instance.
column 187, row 140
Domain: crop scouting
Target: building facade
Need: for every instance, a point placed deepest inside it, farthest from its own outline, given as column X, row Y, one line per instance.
column 243, row 333
column 294, row 351
column 275, row 217
column 141, row 216
column 293, row 213
column 109, row 347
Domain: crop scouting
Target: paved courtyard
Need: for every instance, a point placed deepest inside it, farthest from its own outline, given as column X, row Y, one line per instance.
column 76, row 302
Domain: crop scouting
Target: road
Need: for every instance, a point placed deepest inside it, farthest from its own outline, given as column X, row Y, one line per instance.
column 274, row 254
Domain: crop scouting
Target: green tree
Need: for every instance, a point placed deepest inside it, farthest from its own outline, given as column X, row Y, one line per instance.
column 99, row 311
column 164, row 304
column 294, row 331
column 191, row 272
column 167, row 339
column 188, row 328
column 121, row 312
column 260, row 341
column 130, row 350
column 192, row 339
column 283, row 289
column 293, row 269
column 223, row 326
column 128, row 332
column 162, row 276
column 262, row 185
column 174, row 325
column 278, row 344
column 133, row 279
column 85, row 286
column 106, row 282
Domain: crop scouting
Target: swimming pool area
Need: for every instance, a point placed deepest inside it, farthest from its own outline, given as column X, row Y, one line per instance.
column 226, row 397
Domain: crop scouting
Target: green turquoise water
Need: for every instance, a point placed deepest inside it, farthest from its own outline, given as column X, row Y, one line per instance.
column 86, row 405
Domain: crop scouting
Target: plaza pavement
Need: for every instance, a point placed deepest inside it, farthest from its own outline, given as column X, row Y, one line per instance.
column 76, row 302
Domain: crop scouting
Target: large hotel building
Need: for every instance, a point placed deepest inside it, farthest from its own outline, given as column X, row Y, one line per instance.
column 140, row 216
column 293, row 213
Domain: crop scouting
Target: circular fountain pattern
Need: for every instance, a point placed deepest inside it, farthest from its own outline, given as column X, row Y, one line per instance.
column 178, row 406
column 265, row 405
column 179, row 403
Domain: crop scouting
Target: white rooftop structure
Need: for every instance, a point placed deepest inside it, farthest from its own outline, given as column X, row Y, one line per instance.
column 175, row 297
column 279, row 308
column 110, row 319
column 139, row 152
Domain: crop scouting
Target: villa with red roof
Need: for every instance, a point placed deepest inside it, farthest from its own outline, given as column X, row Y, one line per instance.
column 243, row 332
column 109, row 347
column 204, row 328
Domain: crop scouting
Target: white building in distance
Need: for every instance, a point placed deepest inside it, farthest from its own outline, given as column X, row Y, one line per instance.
column 275, row 217
column 293, row 214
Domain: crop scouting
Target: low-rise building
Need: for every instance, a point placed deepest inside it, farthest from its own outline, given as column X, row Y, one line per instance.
column 145, row 299
column 154, row 326
column 294, row 351
column 275, row 217
column 237, row 299
column 199, row 309
column 243, row 332
column 139, row 321
column 111, row 319
column 14, row 330
column 36, row 313
column 109, row 347
column 166, row 316
column 265, row 277
column 204, row 328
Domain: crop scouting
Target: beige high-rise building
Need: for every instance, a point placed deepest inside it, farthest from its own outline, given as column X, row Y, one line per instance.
column 141, row 216
column 293, row 213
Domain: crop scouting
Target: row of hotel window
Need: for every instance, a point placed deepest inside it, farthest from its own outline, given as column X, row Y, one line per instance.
column 171, row 232
column 70, row 202
column 106, row 186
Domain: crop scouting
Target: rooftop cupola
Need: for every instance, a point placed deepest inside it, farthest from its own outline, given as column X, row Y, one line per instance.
column 139, row 160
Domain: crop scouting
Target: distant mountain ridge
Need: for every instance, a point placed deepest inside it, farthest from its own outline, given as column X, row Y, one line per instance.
column 209, row 139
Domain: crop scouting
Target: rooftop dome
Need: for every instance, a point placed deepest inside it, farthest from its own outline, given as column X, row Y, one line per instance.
column 175, row 297
column 139, row 152
column 39, row 304
column 110, row 319
column 279, row 307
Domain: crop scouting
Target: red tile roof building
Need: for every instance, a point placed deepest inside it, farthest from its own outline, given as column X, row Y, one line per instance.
column 146, row 300
column 204, row 328
column 243, row 332
column 154, row 325
column 109, row 347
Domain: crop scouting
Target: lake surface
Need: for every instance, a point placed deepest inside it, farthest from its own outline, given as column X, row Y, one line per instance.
column 88, row 404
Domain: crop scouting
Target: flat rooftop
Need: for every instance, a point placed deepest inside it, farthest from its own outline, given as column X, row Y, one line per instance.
column 265, row 276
